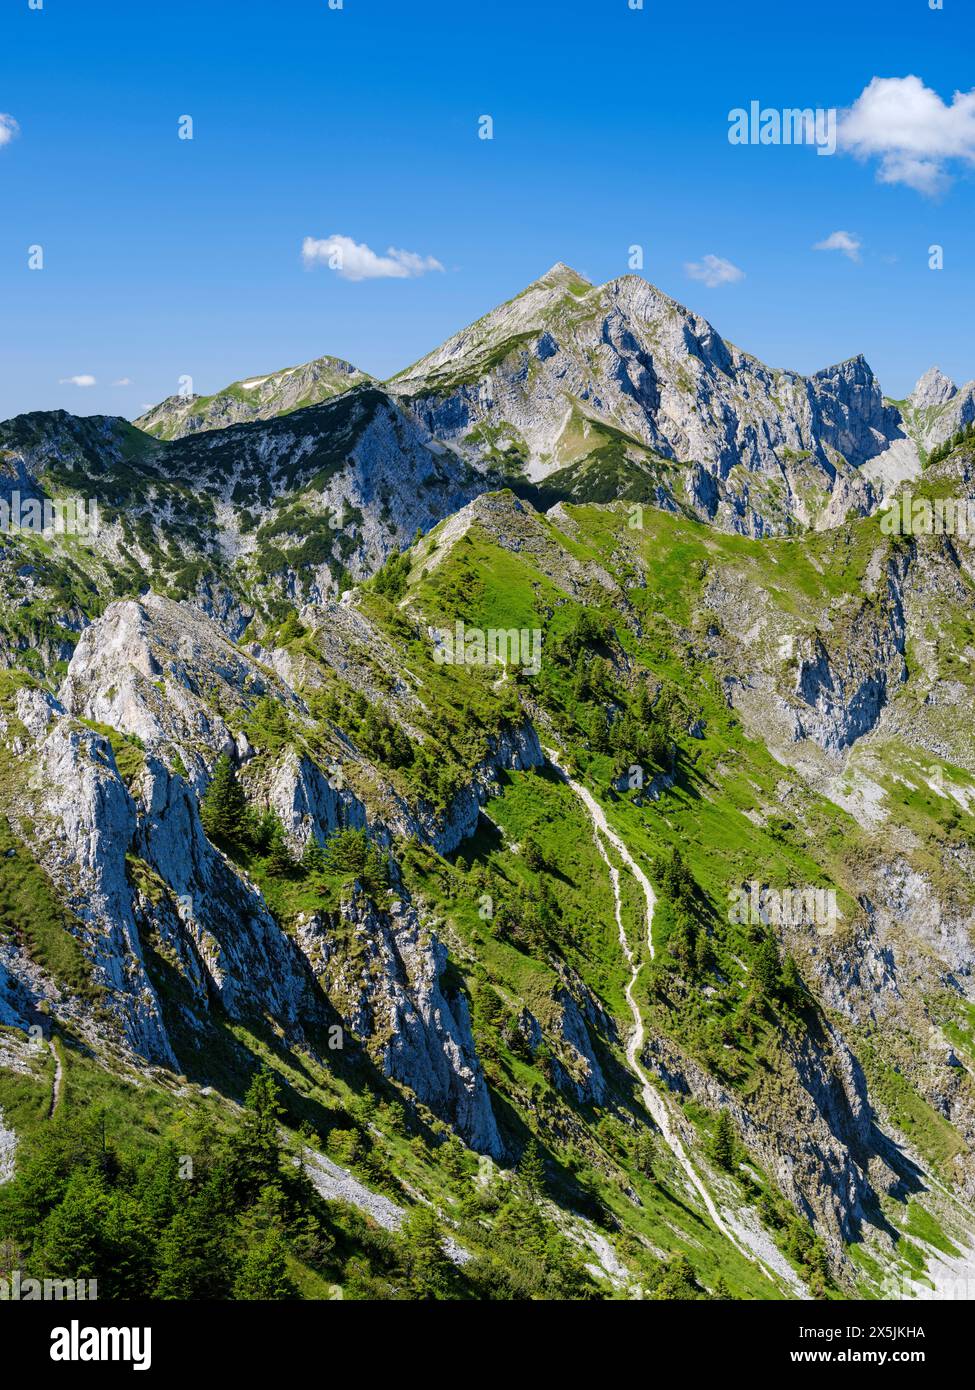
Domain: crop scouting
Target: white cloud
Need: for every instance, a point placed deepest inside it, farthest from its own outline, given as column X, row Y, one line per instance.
column 356, row 261
column 714, row 270
column 123, row 381
column 846, row 242
column 82, row 380
column 8, row 129
column 913, row 132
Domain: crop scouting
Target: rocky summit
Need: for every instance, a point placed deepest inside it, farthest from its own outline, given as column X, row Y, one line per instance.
column 503, row 832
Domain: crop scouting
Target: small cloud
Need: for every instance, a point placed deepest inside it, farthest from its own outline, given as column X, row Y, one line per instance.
column 83, row 380
column 911, row 130
column 123, row 381
column 9, row 129
column 714, row 270
column 848, row 243
column 356, row 261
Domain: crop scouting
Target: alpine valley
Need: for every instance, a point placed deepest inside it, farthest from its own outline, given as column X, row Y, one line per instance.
column 334, row 965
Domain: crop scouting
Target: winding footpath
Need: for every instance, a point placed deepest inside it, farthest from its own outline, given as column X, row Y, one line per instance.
column 754, row 1245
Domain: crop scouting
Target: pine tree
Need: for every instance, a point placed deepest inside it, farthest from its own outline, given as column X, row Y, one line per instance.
column 260, row 829
column 257, row 1146
column 347, row 851
column 644, row 1155
column 313, row 857
column 223, row 809
column 767, row 969
column 531, row 1171
column 452, row 1159
column 128, row 1236
column 723, row 1142
column 290, row 629
column 581, row 689
column 193, row 1255
column 427, row 1266
column 72, row 1236
column 678, row 1282
column 644, row 705
column 703, row 953
column 678, row 882
column 280, row 861
column 158, row 1185
column 263, row 1272
column 682, row 941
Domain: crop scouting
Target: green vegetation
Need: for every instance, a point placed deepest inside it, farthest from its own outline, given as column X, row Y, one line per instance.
column 965, row 435
column 639, row 690
column 257, row 841
column 33, row 915
column 129, row 750
column 224, row 1208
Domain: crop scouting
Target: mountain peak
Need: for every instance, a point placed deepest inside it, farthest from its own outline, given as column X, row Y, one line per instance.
column 253, row 398
column 562, row 274
column 934, row 388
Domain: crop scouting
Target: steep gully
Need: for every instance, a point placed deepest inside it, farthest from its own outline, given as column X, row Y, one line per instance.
column 753, row 1244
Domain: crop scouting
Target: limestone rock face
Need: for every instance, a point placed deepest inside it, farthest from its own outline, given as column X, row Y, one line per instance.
column 168, row 675
column 833, row 1173
column 541, row 374
column 933, row 389
column 170, row 927
column 937, row 408
column 85, row 830
column 387, row 984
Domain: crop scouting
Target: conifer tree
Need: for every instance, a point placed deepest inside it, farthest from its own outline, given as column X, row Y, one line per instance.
column 263, row 1272
column 644, row 1155
column 256, row 1144
column 703, row 953
column 313, row 857
column 533, row 856
column 427, row 1266
column 279, row 858
column 767, row 968
column 223, row 809
column 723, row 1142
column 72, row 1235
column 194, row 1258
column 581, row 689
column 531, row 1171
column 682, row 941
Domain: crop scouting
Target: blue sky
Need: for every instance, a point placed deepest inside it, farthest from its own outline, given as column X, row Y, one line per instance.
column 165, row 257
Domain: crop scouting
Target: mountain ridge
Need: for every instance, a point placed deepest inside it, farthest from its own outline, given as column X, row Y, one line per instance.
column 522, row 389
column 288, row 810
